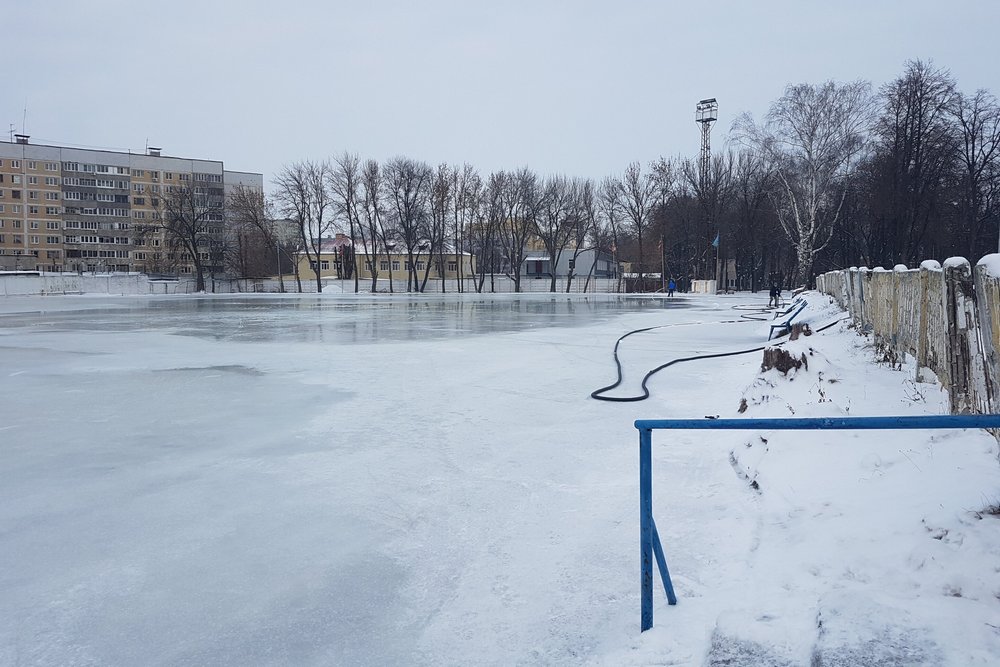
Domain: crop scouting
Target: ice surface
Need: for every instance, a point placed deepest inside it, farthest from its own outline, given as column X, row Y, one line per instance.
column 412, row 480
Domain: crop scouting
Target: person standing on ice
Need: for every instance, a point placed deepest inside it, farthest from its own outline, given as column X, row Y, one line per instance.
column 671, row 286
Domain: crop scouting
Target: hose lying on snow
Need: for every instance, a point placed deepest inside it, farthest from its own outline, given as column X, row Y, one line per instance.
column 598, row 393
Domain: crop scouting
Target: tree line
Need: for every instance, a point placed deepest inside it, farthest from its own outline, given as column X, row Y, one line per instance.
column 834, row 175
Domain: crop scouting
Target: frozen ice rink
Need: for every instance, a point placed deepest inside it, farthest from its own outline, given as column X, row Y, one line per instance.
column 390, row 480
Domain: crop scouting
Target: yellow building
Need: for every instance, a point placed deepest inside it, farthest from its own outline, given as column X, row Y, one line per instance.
column 394, row 264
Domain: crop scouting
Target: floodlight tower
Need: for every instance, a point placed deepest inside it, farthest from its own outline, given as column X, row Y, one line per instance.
column 706, row 113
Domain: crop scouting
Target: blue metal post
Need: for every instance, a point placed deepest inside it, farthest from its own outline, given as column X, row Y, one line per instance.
column 661, row 562
column 646, row 525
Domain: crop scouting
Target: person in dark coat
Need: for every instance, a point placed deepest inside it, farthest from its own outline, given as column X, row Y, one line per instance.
column 775, row 299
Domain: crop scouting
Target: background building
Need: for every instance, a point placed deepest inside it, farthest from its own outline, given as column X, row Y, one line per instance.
column 72, row 209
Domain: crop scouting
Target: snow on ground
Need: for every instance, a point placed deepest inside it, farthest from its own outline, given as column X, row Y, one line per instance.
column 416, row 480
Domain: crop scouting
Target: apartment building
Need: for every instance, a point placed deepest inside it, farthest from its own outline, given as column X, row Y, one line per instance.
column 73, row 209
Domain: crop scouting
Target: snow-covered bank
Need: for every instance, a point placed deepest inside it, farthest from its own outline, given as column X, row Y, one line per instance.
column 307, row 486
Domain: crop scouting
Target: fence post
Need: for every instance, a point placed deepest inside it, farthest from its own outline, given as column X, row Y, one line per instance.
column 986, row 295
column 962, row 340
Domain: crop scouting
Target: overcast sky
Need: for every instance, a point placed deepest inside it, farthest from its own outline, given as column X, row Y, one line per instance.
column 580, row 88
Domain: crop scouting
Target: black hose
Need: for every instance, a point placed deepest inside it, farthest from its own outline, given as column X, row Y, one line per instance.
column 597, row 393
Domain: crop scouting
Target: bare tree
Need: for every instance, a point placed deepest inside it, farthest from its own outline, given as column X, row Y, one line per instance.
column 978, row 116
column 485, row 231
column 711, row 190
column 302, row 192
column 408, row 189
column 252, row 214
column 638, row 192
column 582, row 212
column 607, row 224
column 345, row 180
column 192, row 222
column 373, row 231
column 750, row 186
column 441, row 200
column 467, row 186
column 916, row 156
column 812, row 138
column 520, row 200
column 552, row 224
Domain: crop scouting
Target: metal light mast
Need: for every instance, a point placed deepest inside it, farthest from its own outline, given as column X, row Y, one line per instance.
column 706, row 113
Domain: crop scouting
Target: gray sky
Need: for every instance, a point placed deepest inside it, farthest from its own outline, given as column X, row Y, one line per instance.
column 580, row 88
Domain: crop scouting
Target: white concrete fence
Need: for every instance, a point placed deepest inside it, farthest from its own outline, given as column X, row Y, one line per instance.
column 25, row 284
column 946, row 318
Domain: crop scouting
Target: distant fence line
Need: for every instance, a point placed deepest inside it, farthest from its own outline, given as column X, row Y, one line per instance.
column 947, row 319
column 27, row 284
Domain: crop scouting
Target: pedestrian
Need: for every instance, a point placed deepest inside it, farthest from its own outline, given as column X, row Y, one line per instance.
column 775, row 299
column 671, row 286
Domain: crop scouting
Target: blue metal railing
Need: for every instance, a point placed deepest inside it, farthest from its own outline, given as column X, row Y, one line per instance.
column 650, row 546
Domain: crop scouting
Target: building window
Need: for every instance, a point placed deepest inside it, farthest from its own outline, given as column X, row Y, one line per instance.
column 324, row 265
column 51, row 166
column 32, row 164
column 32, row 180
column 395, row 265
column 15, row 164
column 452, row 266
column 384, row 265
column 52, row 239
